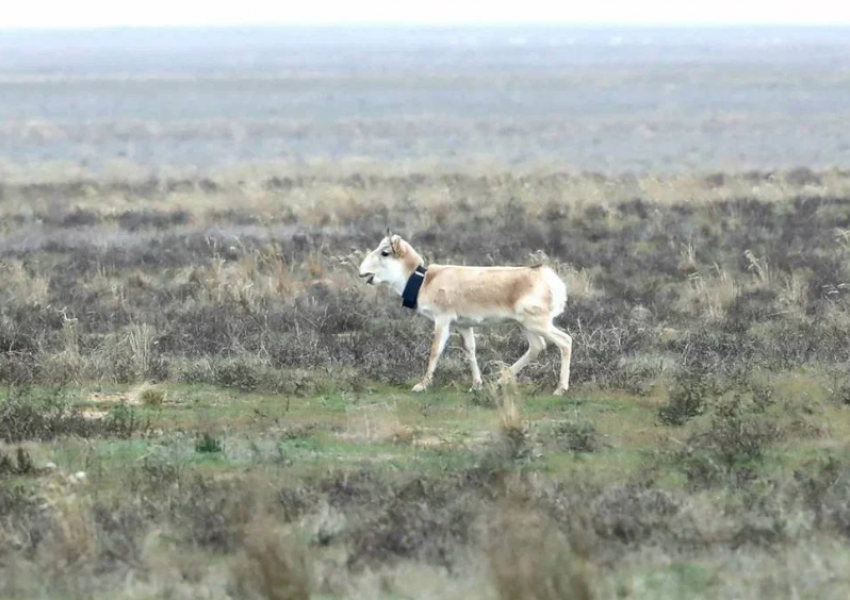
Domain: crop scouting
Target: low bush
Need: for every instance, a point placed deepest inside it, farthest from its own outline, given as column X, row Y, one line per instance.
column 689, row 397
column 46, row 414
column 733, row 441
column 17, row 463
column 576, row 435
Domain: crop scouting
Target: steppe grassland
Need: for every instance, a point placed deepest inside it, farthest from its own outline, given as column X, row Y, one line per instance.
column 202, row 397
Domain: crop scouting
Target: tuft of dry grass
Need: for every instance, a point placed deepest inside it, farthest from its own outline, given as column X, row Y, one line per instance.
column 531, row 560
column 794, row 293
column 709, row 294
column 23, row 285
column 514, row 440
column 579, row 282
column 759, row 267
column 140, row 337
column 275, row 565
column 72, row 540
column 149, row 394
column 510, row 417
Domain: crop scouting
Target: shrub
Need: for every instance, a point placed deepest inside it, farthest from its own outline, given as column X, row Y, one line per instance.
column 576, row 435
column 135, row 220
column 274, row 566
column 80, row 218
column 122, row 422
column 151, row 396
column 46, row 414
column 530, row 560
column 729, row 445
column 513, row 438
column 239, row 374
column 19, row 464
column 637, row 379
column 736, row 438
column 632, row 514
column 840, row 390
column 802, row 176
column 206, row 443
column 688, row 398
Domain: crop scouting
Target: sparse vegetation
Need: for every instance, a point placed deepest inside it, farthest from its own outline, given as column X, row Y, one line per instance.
column 150, row 395
column 200, row 399
column 17, row 462
column 223, row 375
column 207, row 443
column 689, row 396
column 576, row 435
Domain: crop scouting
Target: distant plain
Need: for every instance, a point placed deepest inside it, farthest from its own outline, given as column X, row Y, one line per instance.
column 201, row 399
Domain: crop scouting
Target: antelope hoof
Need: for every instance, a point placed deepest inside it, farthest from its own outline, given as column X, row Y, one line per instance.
column 561, row 391
column 477, row 386
column 420, row 387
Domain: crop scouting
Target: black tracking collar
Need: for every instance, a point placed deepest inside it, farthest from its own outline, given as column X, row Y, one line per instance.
column 411, row 290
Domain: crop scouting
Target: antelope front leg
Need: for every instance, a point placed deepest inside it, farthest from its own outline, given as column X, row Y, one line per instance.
column 441, row 335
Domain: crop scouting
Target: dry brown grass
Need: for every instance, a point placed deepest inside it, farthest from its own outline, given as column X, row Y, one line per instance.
column 710, row 293
column 276, row 565
column 510, row 416
column 331, row 195
column 149, row 395
column 531, row 560
column 22, row 285
column 73, row 538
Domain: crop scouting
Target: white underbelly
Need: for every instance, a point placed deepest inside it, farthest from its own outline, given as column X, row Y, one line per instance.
column 481, row 321
column 468, row 320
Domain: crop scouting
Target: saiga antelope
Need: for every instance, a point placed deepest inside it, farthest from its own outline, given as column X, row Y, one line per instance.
column 471, row 296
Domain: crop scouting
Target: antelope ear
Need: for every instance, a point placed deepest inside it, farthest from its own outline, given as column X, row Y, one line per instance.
column 395, row 243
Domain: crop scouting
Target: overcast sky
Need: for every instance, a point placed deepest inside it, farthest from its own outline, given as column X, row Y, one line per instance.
column 109, row 13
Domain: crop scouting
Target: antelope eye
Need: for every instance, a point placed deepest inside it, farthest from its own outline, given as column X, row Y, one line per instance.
column 385, row 253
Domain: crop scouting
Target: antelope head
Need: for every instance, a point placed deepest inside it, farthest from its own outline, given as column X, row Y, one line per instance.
column 389, row 263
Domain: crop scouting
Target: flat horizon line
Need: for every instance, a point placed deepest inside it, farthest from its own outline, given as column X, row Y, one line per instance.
column 462, row 25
